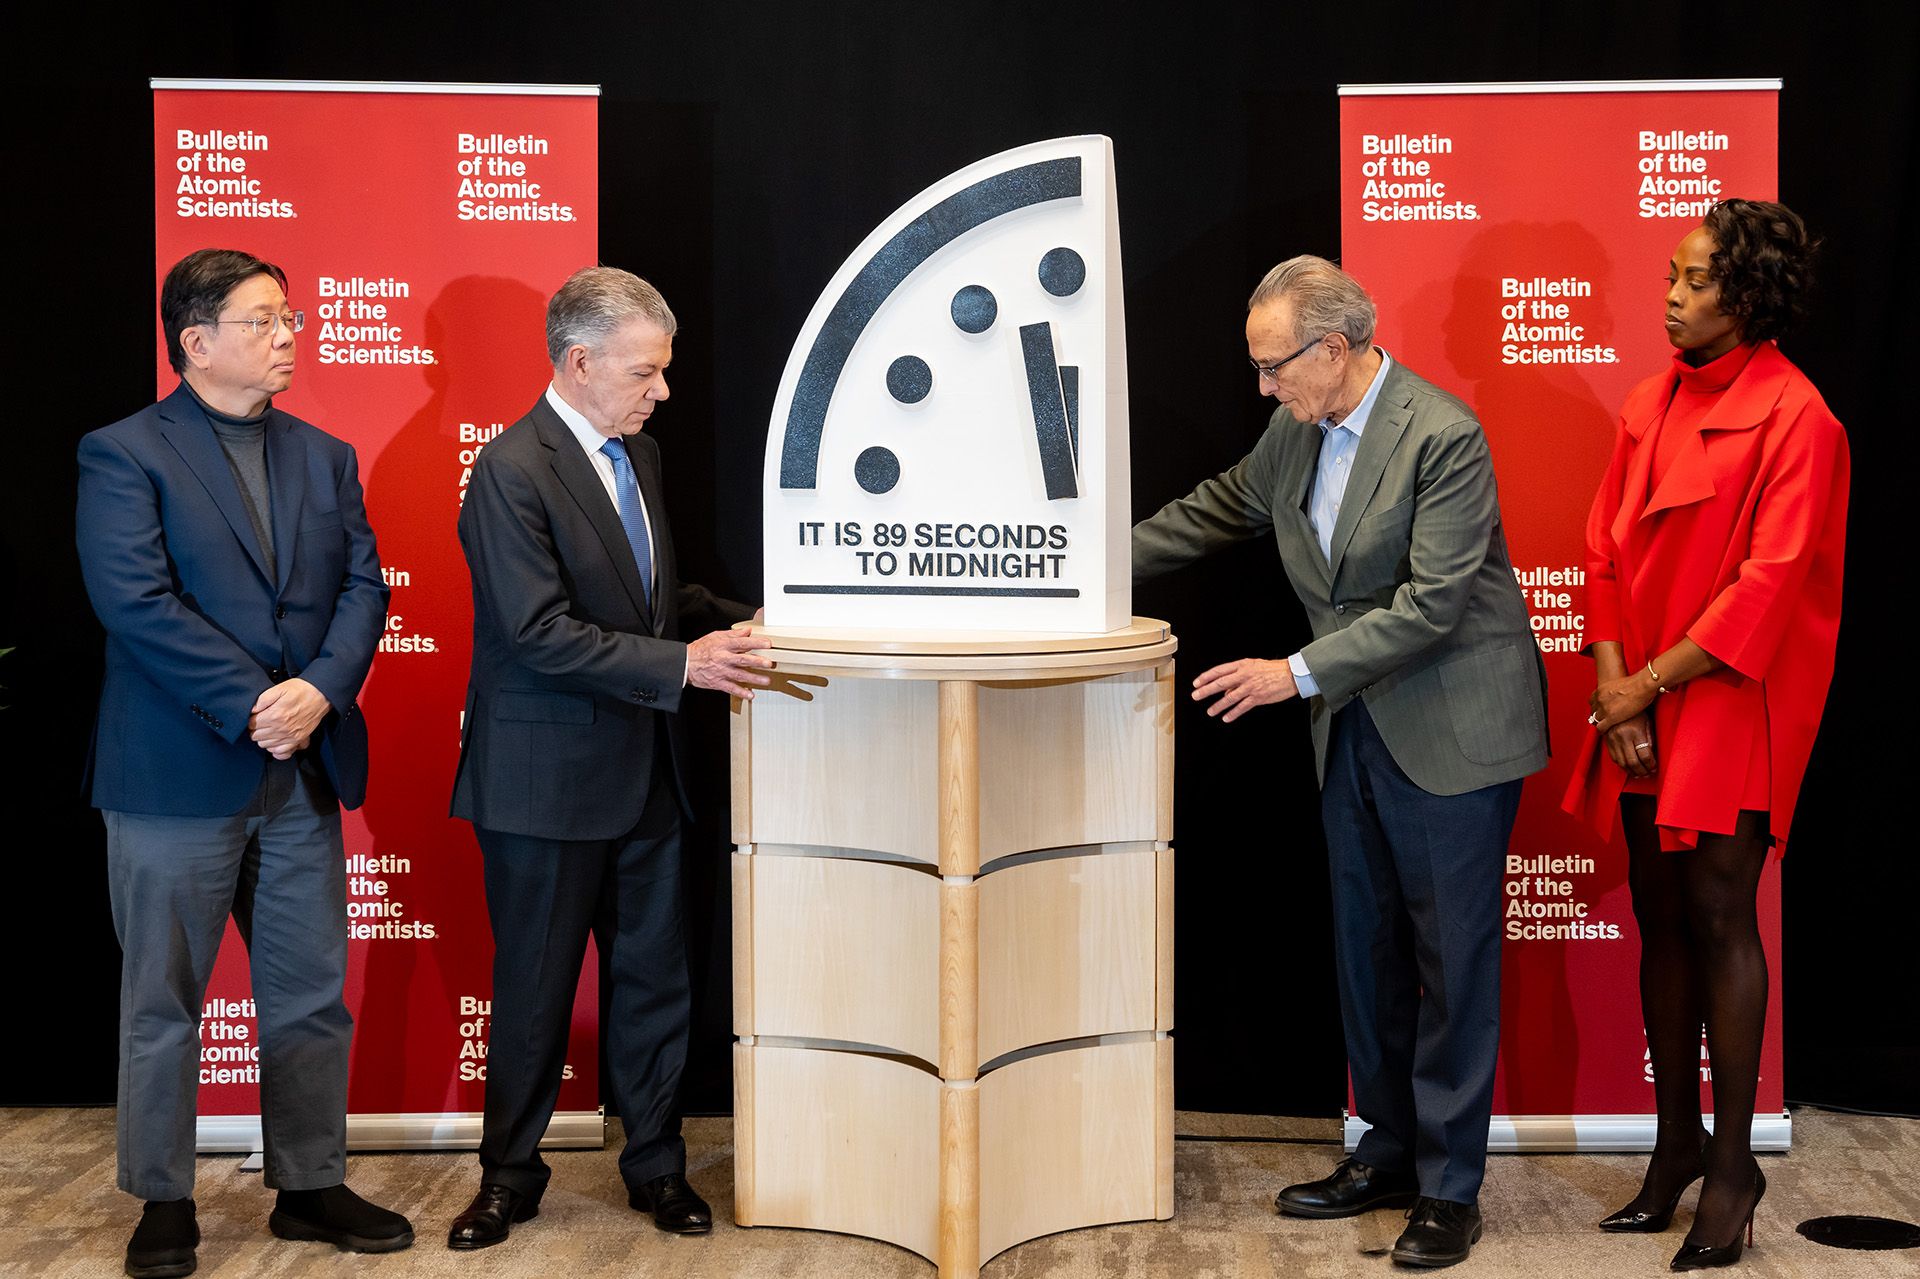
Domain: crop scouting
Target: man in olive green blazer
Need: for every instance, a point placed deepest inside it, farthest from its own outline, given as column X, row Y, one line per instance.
column 1427, row 699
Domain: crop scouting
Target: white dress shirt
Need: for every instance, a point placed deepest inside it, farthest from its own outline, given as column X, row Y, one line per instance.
column 591, row 441
column 1339, row 443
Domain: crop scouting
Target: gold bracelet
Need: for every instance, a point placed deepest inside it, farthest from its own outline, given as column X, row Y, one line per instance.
column 1656, row 678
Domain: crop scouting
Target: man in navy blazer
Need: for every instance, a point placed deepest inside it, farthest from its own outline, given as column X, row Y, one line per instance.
column 572, row 758
column 226, row 551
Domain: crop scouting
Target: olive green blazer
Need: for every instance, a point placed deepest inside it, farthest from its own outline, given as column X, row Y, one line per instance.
column 1418, row 611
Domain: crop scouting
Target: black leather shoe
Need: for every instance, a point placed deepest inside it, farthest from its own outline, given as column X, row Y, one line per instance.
column 676, row 1206
column 1353, row 1188
column 163, row 1243
column 490, row 1216
column 337, row 1216
column 1439, row 1232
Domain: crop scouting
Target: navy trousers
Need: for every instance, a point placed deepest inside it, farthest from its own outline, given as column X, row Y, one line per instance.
column 1416, row 927
column 544, row 897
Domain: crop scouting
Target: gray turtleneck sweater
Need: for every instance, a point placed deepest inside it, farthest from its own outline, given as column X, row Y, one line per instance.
column 244, row 441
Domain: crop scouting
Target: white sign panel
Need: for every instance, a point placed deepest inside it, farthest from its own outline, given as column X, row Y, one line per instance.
column 949, row 446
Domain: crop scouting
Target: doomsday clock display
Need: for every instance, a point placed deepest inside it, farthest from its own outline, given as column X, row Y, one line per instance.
column 949, row 444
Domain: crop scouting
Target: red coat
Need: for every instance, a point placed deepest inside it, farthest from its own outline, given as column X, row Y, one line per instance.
column 1740, row 549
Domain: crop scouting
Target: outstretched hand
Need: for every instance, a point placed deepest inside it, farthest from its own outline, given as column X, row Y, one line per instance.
column 724, row 661
column 1245, row 684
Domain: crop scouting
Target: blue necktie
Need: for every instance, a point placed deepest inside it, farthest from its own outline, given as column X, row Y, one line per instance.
column 632, row 518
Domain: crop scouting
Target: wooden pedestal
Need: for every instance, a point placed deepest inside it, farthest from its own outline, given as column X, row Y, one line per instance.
column 953, row 937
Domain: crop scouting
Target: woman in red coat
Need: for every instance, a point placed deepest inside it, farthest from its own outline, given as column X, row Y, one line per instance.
column 1714, row 549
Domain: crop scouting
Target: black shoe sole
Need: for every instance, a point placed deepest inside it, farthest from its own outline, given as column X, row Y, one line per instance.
column 1288, row 1209
column 162, row 1269
column 1431, row 1261
column 293, row 1228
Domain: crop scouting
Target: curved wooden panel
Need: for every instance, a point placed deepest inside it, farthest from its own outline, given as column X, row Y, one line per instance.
column 846, row 950
column 1070, row 761
column 1067, row 1139
column 846, row 1142
column 846, row 763
column 1067, row 950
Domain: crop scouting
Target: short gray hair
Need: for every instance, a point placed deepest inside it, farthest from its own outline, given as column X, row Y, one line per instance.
column 1325, row 300
column 597, row 300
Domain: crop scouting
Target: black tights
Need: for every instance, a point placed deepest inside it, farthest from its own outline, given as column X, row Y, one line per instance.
column 1701, row 961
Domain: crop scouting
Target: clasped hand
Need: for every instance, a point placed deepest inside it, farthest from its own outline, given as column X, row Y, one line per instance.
column 283, row 718
column 1617, row 700
column 1619, row 709
column 1243, row 685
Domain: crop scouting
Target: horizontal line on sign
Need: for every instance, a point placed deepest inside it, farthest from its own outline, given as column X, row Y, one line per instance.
column 1557, row 86
column 382, row 86
column 1028, row 592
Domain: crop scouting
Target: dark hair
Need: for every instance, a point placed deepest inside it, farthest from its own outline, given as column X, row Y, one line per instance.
column 198, row 286
column 1763, row 262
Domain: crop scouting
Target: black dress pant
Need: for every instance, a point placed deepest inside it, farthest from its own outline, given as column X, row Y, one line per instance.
column 544, row 897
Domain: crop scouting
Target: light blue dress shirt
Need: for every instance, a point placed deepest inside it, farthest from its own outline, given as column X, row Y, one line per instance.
column 1338, row 445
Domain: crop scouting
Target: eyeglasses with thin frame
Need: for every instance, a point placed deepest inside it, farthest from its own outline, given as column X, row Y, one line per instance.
column 270, row 324
column 1271, row 372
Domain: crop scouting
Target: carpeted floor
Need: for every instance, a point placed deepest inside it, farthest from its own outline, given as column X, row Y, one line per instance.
column 61, row 1216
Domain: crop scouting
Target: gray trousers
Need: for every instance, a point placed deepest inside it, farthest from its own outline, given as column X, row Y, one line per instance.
column 278, row 867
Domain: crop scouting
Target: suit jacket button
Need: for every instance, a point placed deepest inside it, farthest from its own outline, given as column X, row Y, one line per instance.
column 1339, row 608
column 280, row 611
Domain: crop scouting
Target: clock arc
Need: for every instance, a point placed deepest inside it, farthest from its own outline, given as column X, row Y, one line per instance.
column 991, row 197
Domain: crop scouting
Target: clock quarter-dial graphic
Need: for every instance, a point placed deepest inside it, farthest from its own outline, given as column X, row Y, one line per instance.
column 948, row 446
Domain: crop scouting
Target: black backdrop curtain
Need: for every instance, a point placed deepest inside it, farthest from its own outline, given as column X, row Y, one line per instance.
column 745, row 149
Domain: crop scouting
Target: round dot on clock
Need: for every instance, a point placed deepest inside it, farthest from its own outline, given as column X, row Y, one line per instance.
column 1062, row 272
column 974, row 309
column 909, row 379
column 877, row 469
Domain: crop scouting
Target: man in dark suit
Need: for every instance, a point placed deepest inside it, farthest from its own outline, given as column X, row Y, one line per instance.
column 226, row 550
column 572, row 759
column 1428, row 707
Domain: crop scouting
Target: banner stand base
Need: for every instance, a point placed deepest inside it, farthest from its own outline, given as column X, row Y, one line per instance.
column 240, row 1134
column 1541, row 1134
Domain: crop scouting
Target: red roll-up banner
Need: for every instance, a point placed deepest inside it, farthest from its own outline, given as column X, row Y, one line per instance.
column 422, row 228
column 1516, row 238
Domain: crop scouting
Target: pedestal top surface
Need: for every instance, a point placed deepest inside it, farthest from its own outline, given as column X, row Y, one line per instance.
column 1140, row 632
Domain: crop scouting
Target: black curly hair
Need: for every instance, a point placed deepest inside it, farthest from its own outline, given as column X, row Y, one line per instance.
column 1763, row 262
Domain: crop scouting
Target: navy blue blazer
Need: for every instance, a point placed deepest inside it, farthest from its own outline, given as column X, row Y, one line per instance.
column 196, row 630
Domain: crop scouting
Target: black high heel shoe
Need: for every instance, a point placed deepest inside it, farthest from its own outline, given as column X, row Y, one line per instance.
column 1640, row 1221
column 1693, row 1256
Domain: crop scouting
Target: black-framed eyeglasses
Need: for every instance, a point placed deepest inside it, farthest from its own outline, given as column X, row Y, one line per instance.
column 1271, row 372
column 270, row 324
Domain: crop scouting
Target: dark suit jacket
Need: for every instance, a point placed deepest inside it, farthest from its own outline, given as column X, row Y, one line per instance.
column 196, row 631
column 1418, row 611
column 569, row 663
